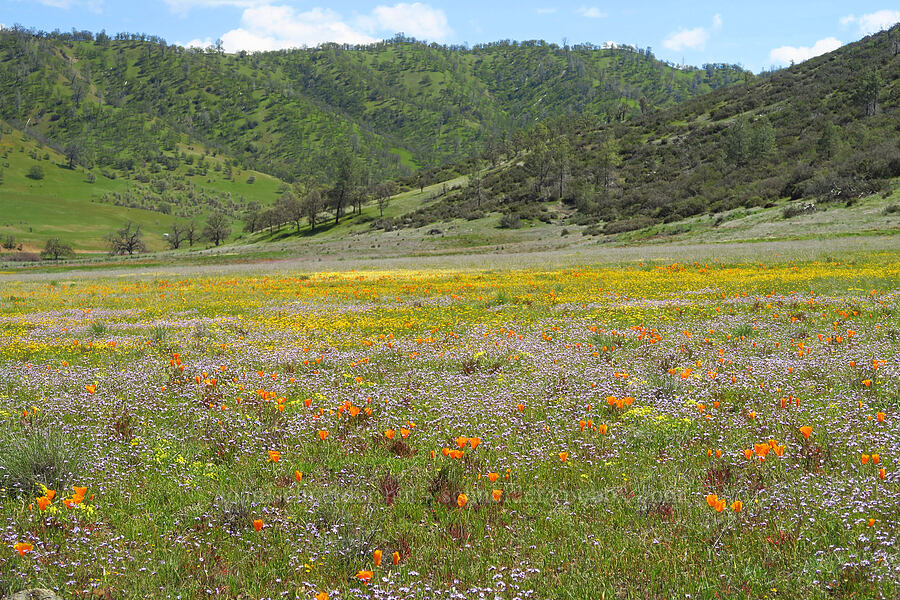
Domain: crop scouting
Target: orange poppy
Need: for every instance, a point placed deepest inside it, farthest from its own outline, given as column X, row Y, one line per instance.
column 563, row 456
column 496, row 495
column 493, row 477
column 364, row 576
column 274, row 455
column 461, row 500
column 461, row 442
column 50, row 494
column 43, row 502
column 323, row 434
column 377, row 558
column 404, row 432
column 322, row 596
column 395, row 558
column 871, row 522
column 473, row 442
column 23, row 547
column 876, row 459
column 257, row 524
column 711, row 500
column 880, row 417
column 882, row 473
column 737, row 506
column 298, row 476
column 806, row 431
column 521, row 407
column 582, row 424
column 91, row 388
column 748, row 453
column 389, row 434
column 761, row 449
column 863, row 458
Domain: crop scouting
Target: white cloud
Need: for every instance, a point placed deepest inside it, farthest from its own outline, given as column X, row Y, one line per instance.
column 687, row 38
column 792, row 54
column 873, row 22
column 591, row 12
column 416, row 19
column 277, row 27
column 695, row 38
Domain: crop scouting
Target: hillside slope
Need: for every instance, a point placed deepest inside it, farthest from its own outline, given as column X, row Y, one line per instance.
column 825, row 130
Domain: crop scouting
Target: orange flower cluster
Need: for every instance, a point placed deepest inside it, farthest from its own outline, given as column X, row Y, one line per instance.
column 719, row 504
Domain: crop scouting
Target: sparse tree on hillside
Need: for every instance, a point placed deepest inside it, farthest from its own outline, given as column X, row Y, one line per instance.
column 867, row 91
column 217, row 229
column 383, row 193
column 345, row 183
column 607, row 161
column 176, row 236
column 291, row 208
column 9, row 242
column 312, row 206
column 126, row 240
column 56, row 249
column 74, row 152
column 190, row 232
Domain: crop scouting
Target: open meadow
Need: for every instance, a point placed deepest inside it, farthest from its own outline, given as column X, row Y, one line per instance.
column 718, row 429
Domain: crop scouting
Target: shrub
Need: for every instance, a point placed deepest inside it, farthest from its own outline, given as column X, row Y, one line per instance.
column 36, row 172
column 513, row 221
column 30, row 460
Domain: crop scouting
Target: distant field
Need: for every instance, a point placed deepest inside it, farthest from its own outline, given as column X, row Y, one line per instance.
column 643, row 430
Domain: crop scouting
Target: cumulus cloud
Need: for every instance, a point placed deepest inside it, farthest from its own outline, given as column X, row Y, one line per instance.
column 416, row 19
column 694, row 39
column 687, row 38
column 873, row 22
column 797, row 54
column 276, row 27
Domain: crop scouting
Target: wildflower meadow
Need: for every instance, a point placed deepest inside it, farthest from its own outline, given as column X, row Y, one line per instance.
column 627, row 431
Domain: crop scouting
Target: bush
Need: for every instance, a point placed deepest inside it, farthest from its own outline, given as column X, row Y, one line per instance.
column 513, row 221
column 36, row 172
column 39, row 458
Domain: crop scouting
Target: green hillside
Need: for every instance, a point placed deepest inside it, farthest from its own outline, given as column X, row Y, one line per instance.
column 824, row 131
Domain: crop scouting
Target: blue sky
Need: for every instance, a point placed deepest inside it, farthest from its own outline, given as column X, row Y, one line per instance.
column 757, row 35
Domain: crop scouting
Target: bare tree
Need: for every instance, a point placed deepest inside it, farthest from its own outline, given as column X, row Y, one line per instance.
column 383, row 193
column 291, row 209
column 176, row 236
column 126, row 240
column 312, row 206
column 56, row 249
column 190, row 232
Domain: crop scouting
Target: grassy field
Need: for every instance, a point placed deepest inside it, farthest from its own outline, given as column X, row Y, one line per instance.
column 64, row 204
column 715, row 429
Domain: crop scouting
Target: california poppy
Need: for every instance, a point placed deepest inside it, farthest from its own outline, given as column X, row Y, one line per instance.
column 806, row 431
column 521, row 407
column 257, row 524
column 602, row 429
column 404, row 432
column 395, row 558
column 461, row 442
column 880, row 417
column 473, row 442
column 274, row 455
column 364, row 576
column 863, row 458
column 563, row 456
column 882, row 473
column 493, row 477
column 737, row 506
column 298, row 476
column 461, row 500
column 748, row 453
column 23, row 547
column 876, row 459
column 323, row 434
column 377, row 558
column 322, row 596
column 711, row 499
column 389, row 434
column 496, row 495
column 43, row 502
column 91, row 388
